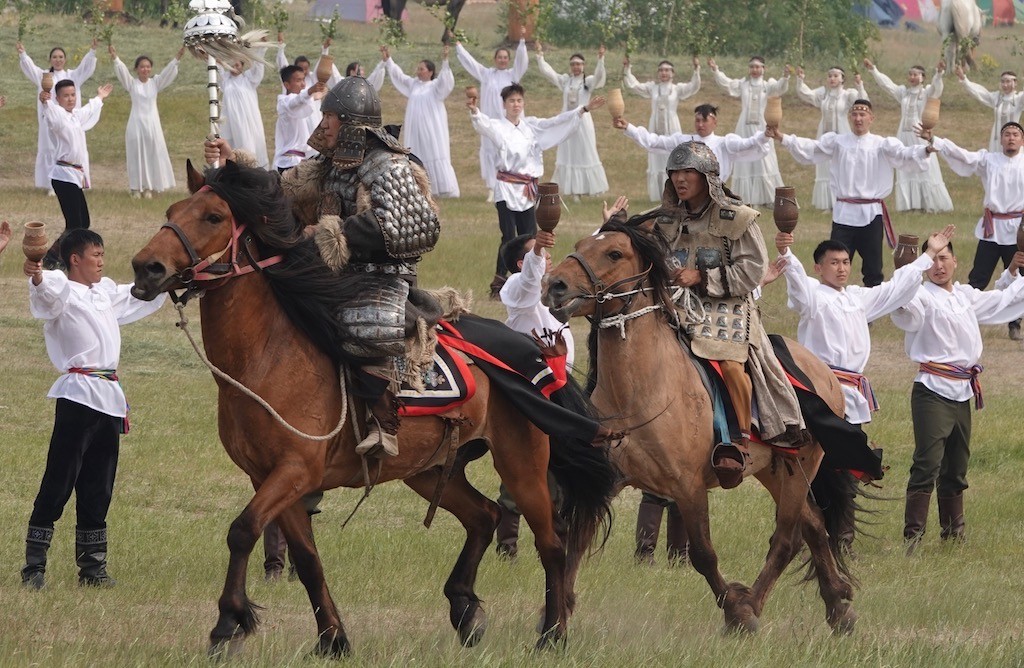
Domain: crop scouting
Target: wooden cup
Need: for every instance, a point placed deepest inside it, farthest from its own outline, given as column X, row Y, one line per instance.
column 35, row 244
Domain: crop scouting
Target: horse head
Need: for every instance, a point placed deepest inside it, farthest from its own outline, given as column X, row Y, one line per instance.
column 610, row 270
column 206, row 238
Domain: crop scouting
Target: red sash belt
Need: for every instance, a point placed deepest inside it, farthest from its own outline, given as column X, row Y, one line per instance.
column 988, row 227
column 105, row 374
column 954, row 372
column 858, row 381
column 529, row 182
column 890, row 236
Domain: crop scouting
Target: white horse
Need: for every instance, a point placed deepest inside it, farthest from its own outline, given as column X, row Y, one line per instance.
column 960, row 20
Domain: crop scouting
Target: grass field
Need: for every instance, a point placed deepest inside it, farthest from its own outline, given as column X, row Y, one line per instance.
column 177, row 491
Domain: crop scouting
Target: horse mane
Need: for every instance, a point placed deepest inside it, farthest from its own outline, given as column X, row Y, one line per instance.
column 652, row 247
column 309, row 292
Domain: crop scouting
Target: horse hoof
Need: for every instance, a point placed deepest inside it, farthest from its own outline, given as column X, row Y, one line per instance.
column 224, row 649
column 554, row 639
column 843, row 619
column 471, row 630
column 332, row 647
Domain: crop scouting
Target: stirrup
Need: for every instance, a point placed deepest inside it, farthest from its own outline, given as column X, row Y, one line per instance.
column 729, row 461
column 378, row 442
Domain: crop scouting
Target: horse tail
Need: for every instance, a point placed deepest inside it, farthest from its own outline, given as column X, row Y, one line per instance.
column 836, row 493
column 585, row 475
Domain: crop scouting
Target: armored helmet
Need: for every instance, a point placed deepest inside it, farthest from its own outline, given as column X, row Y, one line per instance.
column 357, row 105
column 699, row 156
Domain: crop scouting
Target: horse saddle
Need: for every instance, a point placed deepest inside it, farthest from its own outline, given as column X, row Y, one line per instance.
column 447, row 383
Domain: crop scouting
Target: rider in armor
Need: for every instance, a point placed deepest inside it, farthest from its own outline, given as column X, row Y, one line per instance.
column 721, row 257
column 371, row 210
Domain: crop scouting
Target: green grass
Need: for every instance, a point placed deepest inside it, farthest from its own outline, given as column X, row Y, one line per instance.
column 177, row 491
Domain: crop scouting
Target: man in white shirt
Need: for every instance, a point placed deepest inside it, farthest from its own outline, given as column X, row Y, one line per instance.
column 861, row 168
column 834, row 318
column 519, row 162
column 943, row 337
column 528, row 260
column 729, row 149
column 507, row 70
column 294, row 106
column 1007, row 103
column 69, row 175
column 1002, row 175
column 82, row 312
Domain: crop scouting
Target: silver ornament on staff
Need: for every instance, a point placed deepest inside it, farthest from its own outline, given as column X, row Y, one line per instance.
column 212, row 36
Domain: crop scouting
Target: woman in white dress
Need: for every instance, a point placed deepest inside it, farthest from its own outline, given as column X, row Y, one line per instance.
column 665, row 95
column 754, row 182
column 578, row 168
column 916, row 191
column 1007, row 103
column 80, row 74
column 835, row 103
column 149, row 166
column 241, row 121
column 425, row 129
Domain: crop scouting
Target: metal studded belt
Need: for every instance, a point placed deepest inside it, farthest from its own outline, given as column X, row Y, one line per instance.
column 401, row 269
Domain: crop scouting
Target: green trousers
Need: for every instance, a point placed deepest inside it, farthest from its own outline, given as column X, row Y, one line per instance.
column 942, row 440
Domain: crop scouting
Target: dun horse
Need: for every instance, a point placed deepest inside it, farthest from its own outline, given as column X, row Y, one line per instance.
column 640, row 372
column 248, row 334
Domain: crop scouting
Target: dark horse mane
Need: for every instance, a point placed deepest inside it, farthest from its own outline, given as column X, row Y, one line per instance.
column 309, row 292
column 652, row 247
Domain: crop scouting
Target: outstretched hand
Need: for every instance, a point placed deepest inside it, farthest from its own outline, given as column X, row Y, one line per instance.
column 596, row 103
column 5, row 235
column 620, row 122
column 939, row 240
column 103, row 91
column 783, row 240
column 217, row 151
column 774, row 271
column 621, row 204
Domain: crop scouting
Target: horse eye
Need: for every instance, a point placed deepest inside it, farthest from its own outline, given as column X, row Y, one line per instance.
column 615, row 255
column 214, row 219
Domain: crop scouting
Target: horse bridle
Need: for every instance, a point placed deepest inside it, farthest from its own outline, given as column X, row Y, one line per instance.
column 603, row 294
column 207, row 273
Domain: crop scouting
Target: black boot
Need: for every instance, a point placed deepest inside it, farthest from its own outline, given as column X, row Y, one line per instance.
column 951, row 518
column 508, row 534
column 37, row 542
column 676, row 538
column 915, row 517
column 648, row 525
column 382, row 438
column 91, row 556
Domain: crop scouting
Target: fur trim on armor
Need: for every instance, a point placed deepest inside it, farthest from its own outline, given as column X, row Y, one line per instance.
column 419, row 355
column 454, row 304
column 331, row 243
column 302, row 185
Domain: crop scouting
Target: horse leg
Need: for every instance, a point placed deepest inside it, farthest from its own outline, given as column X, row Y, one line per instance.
column 575, row 550
column 789, row 489
column 523, row 469
column 731, row 597
column 479, row 515
column 298, row 530
column 238, row 616
column 835, row 587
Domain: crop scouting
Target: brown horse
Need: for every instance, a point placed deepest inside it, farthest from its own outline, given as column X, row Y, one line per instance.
column 248, row 334
column 642, row 374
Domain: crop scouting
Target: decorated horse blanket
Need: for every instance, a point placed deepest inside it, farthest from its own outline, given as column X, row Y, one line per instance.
column 514, row 365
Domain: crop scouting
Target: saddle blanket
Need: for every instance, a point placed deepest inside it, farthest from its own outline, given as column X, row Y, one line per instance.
column 490, row 344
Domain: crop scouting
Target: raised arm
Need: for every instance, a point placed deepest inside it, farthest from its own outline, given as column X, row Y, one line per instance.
column 521, row 61
column 28, row 67
column 731, row 86
column 122, row 73
column 805, row 94
column 631, row 82
column 978, row 92
column 887, row 84
column 961, row 161
column 445, row 83
column 469, row 63
column 689, row 88
column 168, row 74
column 600, row 75
column 654, row 142
column 402, row 82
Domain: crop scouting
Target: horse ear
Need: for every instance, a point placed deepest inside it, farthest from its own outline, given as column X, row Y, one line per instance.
column 194, row 178
column 648, row 225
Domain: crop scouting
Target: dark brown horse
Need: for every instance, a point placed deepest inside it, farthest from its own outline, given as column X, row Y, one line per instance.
column 248, row 335
column 641, row 373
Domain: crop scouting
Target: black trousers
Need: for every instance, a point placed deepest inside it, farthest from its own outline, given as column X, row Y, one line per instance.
column 72, row 204
column 985, row 259
column 82, row 458
column 868, row 242
column 512, row 224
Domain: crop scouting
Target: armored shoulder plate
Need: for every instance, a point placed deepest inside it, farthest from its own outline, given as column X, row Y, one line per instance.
column 732, row 222
column 407, row 220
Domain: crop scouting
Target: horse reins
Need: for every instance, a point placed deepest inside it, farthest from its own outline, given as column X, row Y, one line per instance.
column 603, row 294
column 206, row 273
